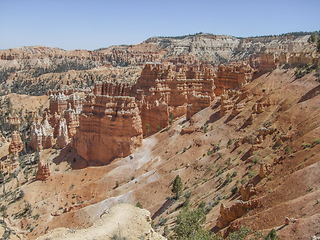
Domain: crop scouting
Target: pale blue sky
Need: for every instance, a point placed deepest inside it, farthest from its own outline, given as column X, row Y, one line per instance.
column 79, row 24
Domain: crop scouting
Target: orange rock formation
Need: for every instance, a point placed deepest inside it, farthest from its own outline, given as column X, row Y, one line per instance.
column 272, row 60
column 109, row 127
column 16, row 144
column 227, row 215
column 43, row 172
column 229, row 77
column 121, row 111
column 247, row 191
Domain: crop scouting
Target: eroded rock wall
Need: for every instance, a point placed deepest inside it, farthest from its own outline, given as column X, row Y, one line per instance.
column 229, row 77
column 109, row 127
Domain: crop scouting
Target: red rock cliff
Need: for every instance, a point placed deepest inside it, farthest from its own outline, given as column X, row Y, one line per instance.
column 109, row 127
column 232, row 76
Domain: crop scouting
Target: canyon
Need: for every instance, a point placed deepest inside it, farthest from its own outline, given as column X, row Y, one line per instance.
column 236, row 119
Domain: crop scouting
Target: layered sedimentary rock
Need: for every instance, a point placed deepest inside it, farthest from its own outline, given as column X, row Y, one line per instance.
column 178, row 86
column 41, row 135
column 109, row 127
column 154, row 116
column 229, row 77
column 60, row 102
column 161, row 92
column 196, row 103
column 112, row 89
column 272, row 60
column 226, row 104
column 268, row 61
column 43, row 172
column 16, row 144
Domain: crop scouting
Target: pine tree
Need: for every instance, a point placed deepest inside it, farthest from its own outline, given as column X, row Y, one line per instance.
column 177, row 187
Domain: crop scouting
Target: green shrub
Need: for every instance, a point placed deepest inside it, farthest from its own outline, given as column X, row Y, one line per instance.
column 251, row 174
column 188, row 194
column 288, row 149
column 186, row 203
column 230, row 142
column 307, row 145
column 255, row 160
column 189, row 225
column 166, row 231
column 171, row 118
column 272, row 235
column 228, row 179
column 317, row 141
column 241, row 234
column 234, row 174
column 139, row 205
column 234, row 189
column 202, row 205
column 243, row 181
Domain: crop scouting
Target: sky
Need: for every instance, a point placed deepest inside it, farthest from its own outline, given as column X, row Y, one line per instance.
column 93, row 24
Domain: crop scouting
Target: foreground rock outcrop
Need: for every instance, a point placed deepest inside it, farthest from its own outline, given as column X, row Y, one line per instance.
column 121, row 221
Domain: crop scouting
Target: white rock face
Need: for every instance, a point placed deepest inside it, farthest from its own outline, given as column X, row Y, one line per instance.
column 41, row 135
column 220, row 48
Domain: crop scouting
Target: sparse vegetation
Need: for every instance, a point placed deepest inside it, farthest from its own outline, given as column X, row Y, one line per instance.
column 251, row 174
column 171, row 118
column 234, row 189
column 316, row 141
column 139, row 205
column 241, row 234
column 288, row 149
column 189, row 224
column 272, row 235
